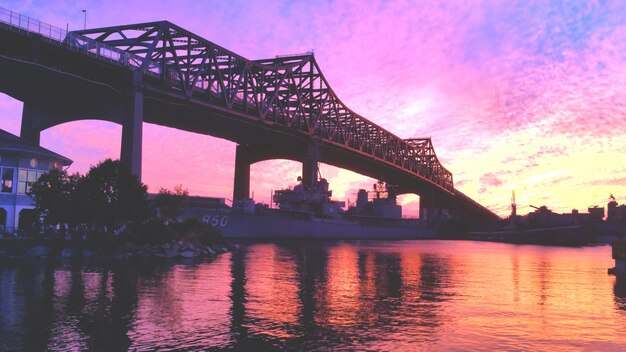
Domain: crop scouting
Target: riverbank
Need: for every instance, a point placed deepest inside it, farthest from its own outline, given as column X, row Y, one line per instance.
column 65, row 249
column 151, row 239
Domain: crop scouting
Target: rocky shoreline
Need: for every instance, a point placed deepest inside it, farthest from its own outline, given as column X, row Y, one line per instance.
column 26, row 248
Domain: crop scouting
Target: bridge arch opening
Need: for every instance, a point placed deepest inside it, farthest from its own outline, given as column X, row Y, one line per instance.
column 410, row 205
column 86, row 142
column 270, row 175
column 10, row 112
column 202, row 164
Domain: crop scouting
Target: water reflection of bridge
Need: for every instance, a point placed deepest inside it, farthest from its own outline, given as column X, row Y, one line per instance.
column 268, row 297
column 158, row 72
column 335, row 296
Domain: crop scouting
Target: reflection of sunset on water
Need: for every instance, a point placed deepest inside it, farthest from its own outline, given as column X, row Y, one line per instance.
column 340, row 305
column 271, row 284
column 417, row 292
column 367, row 286
column 410, row 263
column 545, row 294
column 187, row 301
column 388, row 296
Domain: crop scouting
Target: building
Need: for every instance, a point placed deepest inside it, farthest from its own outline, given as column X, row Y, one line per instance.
column 615, row 212
column 197, row 207
column 596, row 213
column 21, row 164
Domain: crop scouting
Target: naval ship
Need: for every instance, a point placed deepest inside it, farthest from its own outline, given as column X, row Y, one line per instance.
column 309, row 213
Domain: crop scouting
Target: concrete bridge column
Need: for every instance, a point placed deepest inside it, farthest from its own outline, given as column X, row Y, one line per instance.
column 425, row 206
column 309, row 166
column 241, row 189
column 29, row 120
column 132, row 130
column 435, row 206
column 309, row 172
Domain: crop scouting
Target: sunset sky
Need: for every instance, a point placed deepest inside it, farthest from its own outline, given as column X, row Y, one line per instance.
column 517, row 95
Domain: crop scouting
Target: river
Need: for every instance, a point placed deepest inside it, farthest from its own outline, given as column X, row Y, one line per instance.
column 305, row 295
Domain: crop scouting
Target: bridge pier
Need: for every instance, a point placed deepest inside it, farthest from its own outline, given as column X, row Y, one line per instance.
column 132, row 132
column 132, row 129
column 434, row 206
column 28, row 131
column 241, row 189
column 309, row 166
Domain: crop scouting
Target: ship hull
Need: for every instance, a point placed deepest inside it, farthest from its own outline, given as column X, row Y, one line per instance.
column 293, row 225
column 576, row 235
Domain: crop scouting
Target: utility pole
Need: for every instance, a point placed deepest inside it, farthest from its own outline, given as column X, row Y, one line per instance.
column 85, row 19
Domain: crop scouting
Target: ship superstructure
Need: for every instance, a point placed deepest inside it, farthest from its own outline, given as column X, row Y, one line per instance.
column 309, row 212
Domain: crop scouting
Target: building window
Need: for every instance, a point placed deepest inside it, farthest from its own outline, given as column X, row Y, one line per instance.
column 26, row 178
column 7, row 179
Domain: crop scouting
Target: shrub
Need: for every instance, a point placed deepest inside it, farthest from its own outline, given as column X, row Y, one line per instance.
column 194, row 231
column 154, row 232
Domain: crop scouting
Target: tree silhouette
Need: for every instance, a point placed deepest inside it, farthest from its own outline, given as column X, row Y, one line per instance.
column 107, row 195
column 169, row 205
column 52, row 194
column 111, row 194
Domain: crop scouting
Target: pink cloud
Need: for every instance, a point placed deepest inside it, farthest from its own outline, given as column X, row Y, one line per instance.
column 489, row 180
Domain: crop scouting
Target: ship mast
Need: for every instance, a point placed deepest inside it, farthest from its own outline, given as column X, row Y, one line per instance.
column 513, row 205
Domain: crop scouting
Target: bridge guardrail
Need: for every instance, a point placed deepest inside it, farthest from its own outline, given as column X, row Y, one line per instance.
column 56, row 35
column 18, row 21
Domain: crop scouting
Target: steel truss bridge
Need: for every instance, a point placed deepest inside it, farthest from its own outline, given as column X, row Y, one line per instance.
column 158, row 72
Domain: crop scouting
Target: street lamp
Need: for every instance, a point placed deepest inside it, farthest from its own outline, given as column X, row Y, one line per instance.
column 85, row 17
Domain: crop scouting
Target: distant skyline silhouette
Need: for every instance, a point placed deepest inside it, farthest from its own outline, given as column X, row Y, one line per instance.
column 524, row 95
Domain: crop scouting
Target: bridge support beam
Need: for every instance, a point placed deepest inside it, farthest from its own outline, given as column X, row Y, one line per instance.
column 241, row 189
column 434, row 206
column 310, row 166
column 132, row 131
column 28, row 130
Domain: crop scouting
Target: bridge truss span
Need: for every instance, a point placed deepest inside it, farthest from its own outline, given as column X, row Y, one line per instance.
column 287, row 92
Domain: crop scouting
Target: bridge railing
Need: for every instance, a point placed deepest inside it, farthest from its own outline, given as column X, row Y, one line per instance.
column 20, row 22
column 56, row 35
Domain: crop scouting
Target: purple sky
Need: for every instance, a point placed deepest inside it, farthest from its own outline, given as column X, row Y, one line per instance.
column 517, row 95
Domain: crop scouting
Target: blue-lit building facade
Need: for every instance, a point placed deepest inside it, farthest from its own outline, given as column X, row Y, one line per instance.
column 21, row 164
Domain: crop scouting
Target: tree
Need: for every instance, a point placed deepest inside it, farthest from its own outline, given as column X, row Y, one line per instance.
column 76, row 208
column 111, row 194
column 169, row 205
column 108, row 194
column 52, row 195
